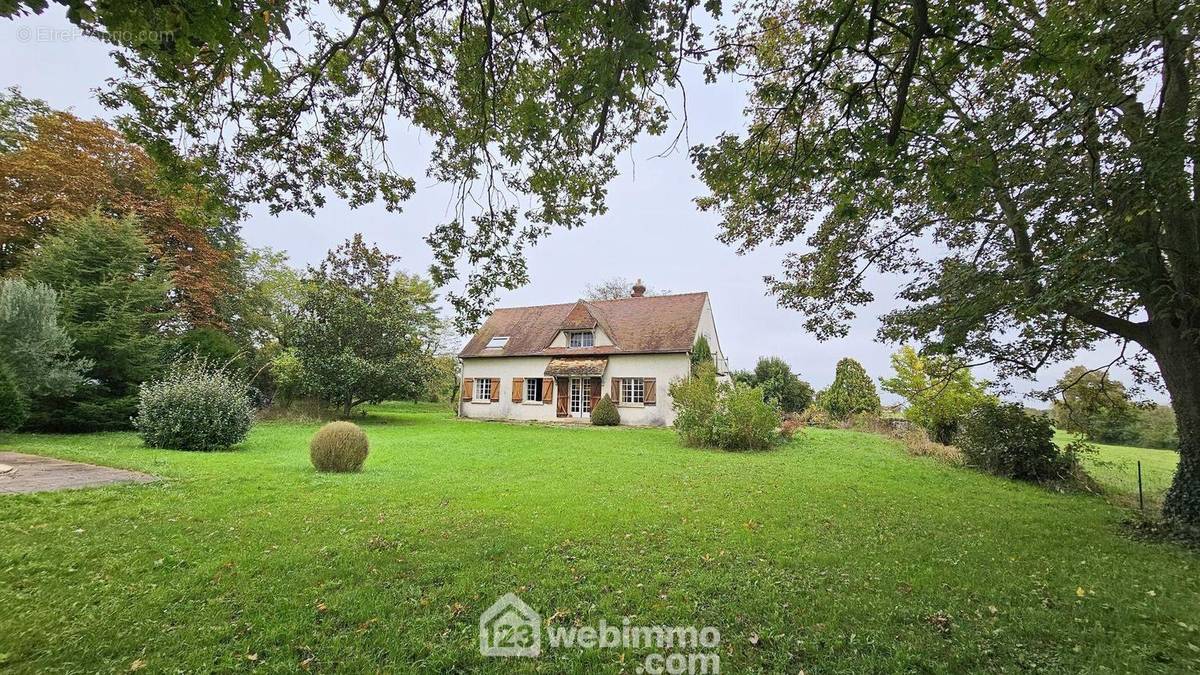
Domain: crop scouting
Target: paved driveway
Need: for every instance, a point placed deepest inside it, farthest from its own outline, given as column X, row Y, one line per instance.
column 30, row 473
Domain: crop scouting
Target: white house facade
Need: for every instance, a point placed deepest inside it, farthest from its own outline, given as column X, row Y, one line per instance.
column 555, row 362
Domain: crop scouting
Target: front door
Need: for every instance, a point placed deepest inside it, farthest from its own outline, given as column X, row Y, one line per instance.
column 580, row 396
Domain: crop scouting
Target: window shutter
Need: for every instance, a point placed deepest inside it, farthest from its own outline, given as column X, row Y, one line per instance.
column 651, row 391
column 518, row 389
column 615, row 389
column 468, row 391
column 596, row 391
column 547, row 390
column 561, row 408
column 495, row 389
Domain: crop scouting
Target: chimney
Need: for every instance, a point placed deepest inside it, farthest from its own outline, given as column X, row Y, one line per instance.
column 638, row 289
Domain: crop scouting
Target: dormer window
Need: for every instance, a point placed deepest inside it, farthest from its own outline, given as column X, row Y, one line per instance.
column 497, row 342
column 581, row 338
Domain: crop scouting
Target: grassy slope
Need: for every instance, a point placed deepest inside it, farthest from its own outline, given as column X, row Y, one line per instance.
column 835, row 551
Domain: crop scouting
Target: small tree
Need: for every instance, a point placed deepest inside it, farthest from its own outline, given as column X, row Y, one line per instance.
column 1001, row 438
column 1093, row 405
column 365, row 334
column 852, row 392
column 939, row 392
column 605, row 414
column 701, row 353
column 37, row 348
column 780, row 385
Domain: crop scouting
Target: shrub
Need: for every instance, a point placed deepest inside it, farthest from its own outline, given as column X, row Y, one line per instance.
column 816, row 416
column 790, row 426
column 1001, row 438
column 14, row 408
column 194, row 407
column 339, row 446
column 694, row 400
column 852, row 391
column 743, row 420
column 727, row 416
column 605, row 413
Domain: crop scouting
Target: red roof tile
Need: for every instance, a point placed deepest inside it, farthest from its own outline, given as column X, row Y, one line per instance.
column 650, row 324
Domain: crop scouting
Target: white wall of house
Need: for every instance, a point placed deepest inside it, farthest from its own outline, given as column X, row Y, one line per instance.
column 664, row 368
column 707, row 326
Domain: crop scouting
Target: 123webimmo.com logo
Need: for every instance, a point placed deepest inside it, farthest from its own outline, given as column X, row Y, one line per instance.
column 511, row 628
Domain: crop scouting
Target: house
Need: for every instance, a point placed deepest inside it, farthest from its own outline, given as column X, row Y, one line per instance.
column 554, row 362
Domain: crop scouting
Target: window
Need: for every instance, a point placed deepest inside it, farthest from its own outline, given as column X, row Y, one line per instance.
column 483, row 389
column 497, row 342
column 581, row 339
column 533, row 389
column 633, row 390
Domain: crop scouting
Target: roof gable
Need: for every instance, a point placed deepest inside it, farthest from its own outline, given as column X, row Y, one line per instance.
column 580, row 318
column 639, row 325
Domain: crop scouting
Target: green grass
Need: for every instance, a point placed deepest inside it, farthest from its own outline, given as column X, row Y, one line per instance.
column 837, row 553
column 1115, row 468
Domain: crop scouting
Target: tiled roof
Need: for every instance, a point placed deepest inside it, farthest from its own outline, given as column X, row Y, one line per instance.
column 573, row 365
column 645, row 325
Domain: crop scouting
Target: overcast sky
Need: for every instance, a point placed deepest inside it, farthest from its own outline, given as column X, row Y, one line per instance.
column 652, row 229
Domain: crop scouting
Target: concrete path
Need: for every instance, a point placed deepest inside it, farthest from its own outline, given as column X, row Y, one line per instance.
column 31, row 473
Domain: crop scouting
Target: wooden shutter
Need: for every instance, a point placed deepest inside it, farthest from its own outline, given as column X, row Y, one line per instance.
column 547, row 390
column 495, row 389
column 651, row 391
column 596, row 392
column 562, row 409
column 468, row 389
column 518, row 389
column 615, row 387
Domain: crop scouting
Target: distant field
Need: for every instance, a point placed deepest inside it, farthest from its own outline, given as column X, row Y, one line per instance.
column 838, row 553
column 1115, row 467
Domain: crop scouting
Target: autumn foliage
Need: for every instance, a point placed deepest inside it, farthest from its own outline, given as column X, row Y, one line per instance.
column 70, row 167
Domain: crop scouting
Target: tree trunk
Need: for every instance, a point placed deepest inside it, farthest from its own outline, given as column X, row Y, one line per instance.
column 346, row 405
column 1179, row 362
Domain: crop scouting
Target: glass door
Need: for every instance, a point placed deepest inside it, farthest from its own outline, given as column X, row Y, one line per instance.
column 581, row 396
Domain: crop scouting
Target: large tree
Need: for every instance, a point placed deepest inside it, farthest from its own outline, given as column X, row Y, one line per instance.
column 55, row 166
column 1029, row 171
column 1093, row 404
column 113, row 303
column 365, row 334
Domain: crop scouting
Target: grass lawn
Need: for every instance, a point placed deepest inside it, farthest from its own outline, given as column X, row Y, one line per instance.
column 837, row 553
column 1115, row 467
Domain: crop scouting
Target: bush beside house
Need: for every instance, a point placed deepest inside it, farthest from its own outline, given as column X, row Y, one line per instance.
column 605, row 414
column 727, row 416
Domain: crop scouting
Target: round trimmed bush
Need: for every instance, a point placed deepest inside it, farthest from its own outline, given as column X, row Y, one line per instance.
column 14, row 408
column 605, row 413
column 195, row 407
column 338, row 446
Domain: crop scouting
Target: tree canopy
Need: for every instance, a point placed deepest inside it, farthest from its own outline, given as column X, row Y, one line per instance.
column 939, row 391
column 365, row 334
column 60, row 167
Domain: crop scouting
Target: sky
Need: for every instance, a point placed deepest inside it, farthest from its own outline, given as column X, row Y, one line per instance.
column 652, row 229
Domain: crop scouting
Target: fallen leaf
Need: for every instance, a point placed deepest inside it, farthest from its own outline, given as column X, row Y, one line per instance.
column 1080, row 592
column 137, row 665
